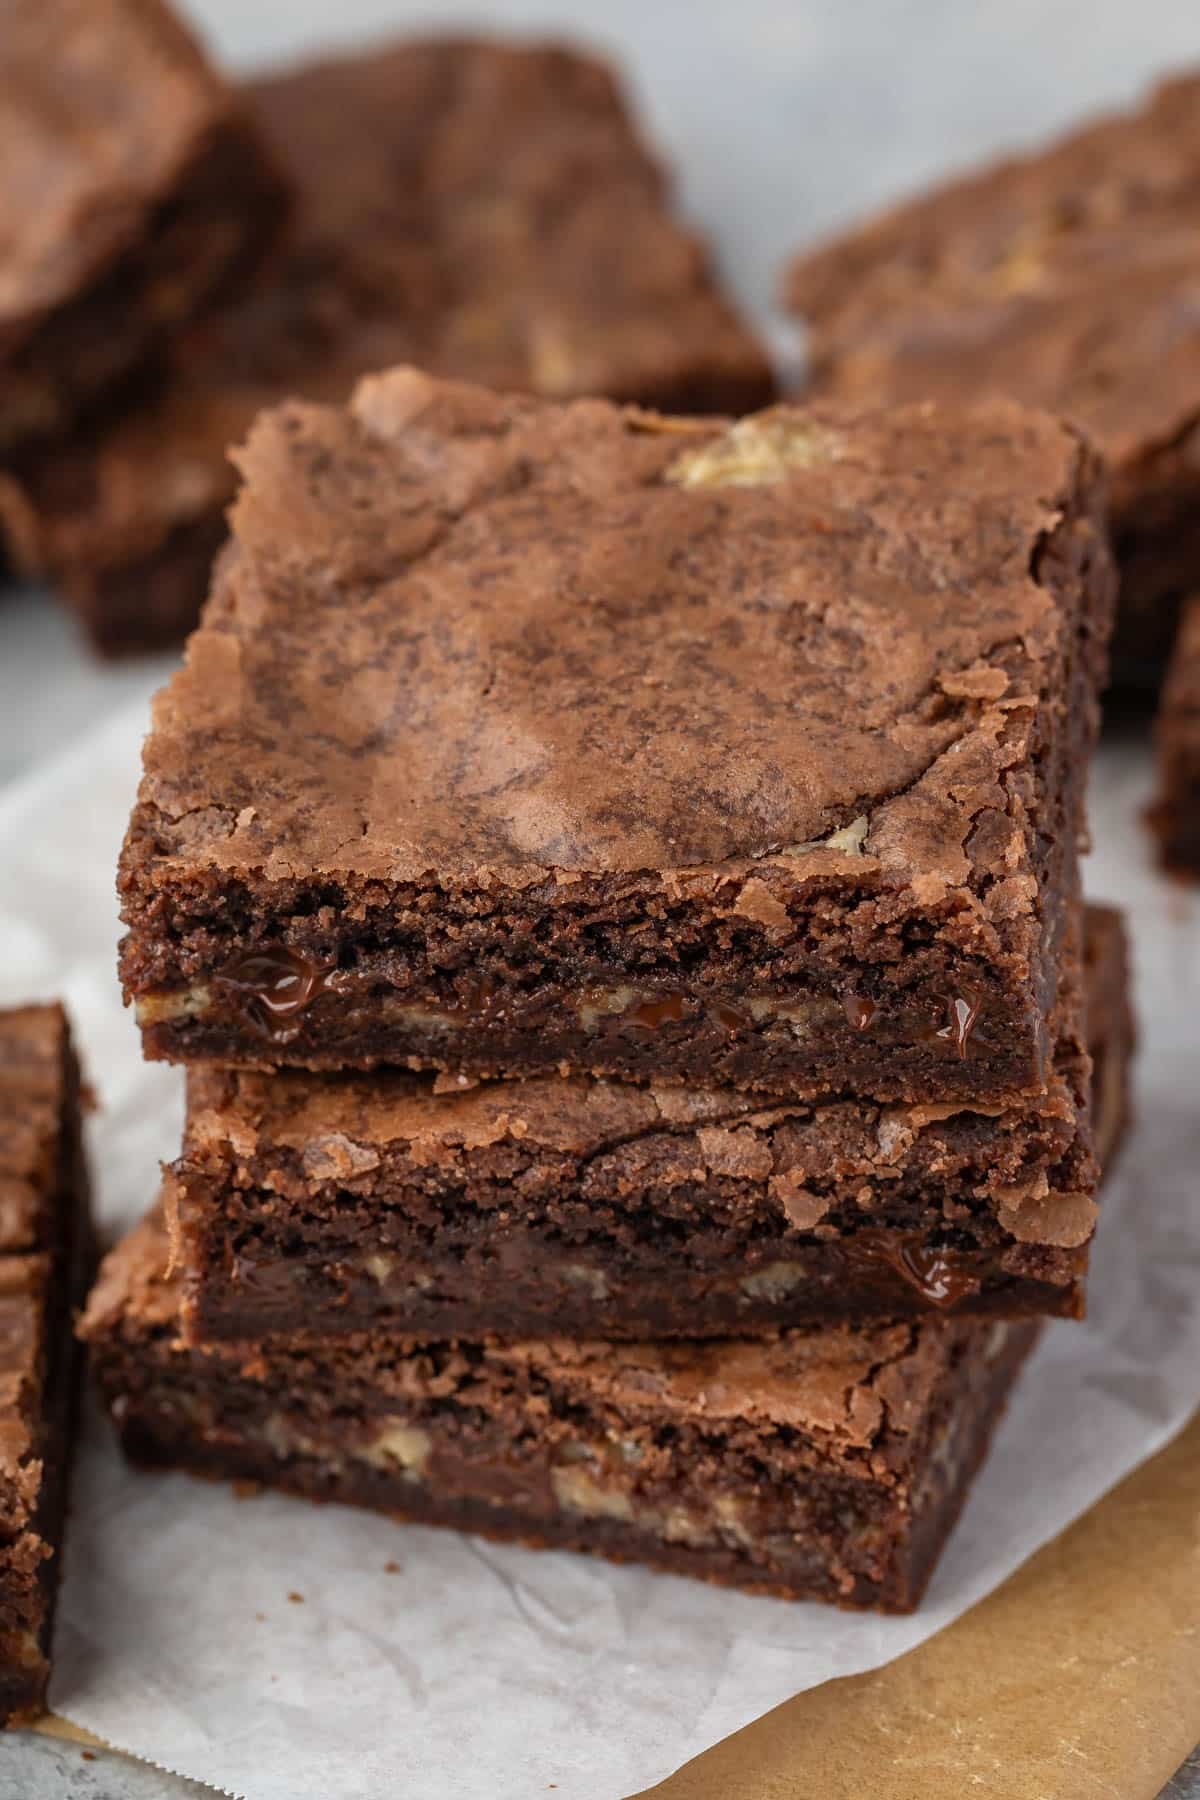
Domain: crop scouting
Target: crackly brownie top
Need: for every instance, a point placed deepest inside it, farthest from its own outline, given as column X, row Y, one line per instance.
column 480, row 639
column 484, row 210
column 32, row 1099
column 1069, row 279
column 836, row 1383
column 102, row 103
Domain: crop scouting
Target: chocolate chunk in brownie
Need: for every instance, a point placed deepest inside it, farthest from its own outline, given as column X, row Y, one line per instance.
column 481, row 209
column 135, row 190
column 827, row 1465
column 1176, row 813
column 524, row 737
column 339, row 1203
column 45, row 1252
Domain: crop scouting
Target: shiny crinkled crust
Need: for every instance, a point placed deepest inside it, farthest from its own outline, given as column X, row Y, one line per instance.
column 826, row 1465
column 672, row 705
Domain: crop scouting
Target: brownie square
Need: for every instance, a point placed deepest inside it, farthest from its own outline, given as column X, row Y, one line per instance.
column 1066, row 279
column 45, row 1258
column 135, row 188
column 1176, row 813
column 484, row 210
column 818, row 1466
column 340, row 1203
column 526, row 738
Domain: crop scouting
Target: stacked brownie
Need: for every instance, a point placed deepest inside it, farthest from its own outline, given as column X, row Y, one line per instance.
column 489, row 211
column 613, row 881
column 45, row 1263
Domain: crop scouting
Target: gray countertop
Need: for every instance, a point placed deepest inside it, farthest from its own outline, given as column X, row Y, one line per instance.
column 783, row 120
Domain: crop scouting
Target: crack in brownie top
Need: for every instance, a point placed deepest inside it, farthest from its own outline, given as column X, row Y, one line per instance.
column 492, row 639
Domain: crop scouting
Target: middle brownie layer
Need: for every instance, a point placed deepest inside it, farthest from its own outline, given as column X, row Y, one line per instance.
column 339, row 1204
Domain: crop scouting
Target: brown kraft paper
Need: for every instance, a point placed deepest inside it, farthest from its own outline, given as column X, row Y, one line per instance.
column 1078, row 1678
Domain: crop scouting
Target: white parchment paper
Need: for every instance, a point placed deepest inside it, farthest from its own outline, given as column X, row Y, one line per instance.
column 434, row 1667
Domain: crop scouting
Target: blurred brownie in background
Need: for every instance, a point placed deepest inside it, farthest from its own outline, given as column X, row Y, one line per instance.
column 1069, row 279
column 133, row 188
column 1176, row 814
column 483, row 210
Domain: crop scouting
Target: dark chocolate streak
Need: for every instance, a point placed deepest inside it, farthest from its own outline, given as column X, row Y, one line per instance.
column 277, row 984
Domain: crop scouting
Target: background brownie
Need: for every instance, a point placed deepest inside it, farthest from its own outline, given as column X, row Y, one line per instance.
column 829, row 1465
column 523, row 737
column 45, row 1247
column 481, row 210
column 1066, row 279
column 134, row 188
column 1176, row 814
column 344, row 1203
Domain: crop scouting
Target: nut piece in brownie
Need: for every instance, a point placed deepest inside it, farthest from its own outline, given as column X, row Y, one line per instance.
column 1066, row 279
column 484, row 210
column 1176, row 813
column 826, row 1465
column 45, row 1246
column 338, row 1203
column 135, row 188
column 524, row 737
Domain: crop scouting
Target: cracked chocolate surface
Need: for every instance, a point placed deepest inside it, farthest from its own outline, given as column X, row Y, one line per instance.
column 481, row 209
column 825, row 1465
column 1066, row 279
column 121, row 213
column 438, row 741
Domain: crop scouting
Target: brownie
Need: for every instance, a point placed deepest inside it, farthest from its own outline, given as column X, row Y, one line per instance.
column 566, row 1204
column 825, row 1465
column 45, row 1249
column 1067, row 279
column 483, row 210
column 525, row 737
column 135, row 189
column 1176, row 813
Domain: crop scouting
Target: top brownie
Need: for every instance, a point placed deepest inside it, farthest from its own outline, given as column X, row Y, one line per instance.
column 486, row 210
column 1066, row 279
column 134, row 187
column 522, row 736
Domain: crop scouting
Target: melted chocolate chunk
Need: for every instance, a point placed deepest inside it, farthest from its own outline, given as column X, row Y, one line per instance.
column 860, row 1012
column 275, row 986
column 668, row 1009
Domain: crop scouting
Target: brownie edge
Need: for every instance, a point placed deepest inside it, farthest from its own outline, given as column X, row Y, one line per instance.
column 822, row 1465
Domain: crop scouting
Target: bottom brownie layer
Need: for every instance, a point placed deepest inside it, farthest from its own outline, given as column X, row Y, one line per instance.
column 1176, row 814
column 823, row 1465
